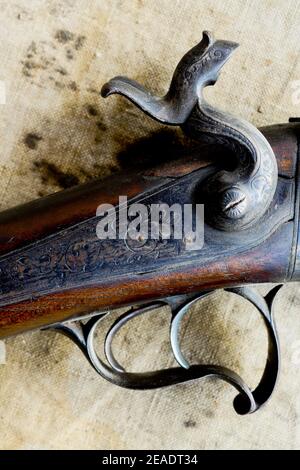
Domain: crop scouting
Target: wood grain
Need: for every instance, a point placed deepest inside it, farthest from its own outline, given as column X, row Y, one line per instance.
column 268, row 262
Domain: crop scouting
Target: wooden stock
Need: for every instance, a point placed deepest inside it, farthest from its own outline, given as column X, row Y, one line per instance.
column 270, row 260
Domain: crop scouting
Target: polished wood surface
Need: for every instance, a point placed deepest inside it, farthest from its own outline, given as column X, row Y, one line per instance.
column 266, row 263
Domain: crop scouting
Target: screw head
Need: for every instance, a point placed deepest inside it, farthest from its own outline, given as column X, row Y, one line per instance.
column 233, row 203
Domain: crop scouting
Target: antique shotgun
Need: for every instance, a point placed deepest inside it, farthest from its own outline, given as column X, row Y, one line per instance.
column 56, row 272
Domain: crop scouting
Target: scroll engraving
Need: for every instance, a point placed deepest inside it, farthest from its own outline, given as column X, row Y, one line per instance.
column 235, row 199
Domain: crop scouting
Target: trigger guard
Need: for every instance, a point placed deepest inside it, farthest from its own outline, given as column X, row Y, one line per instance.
column 267, row 383
column 247, row 401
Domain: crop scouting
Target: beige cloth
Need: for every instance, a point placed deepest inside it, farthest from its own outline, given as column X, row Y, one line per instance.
column 55, row 131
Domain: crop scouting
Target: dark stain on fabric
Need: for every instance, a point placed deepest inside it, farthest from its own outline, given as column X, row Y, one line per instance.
column 39, row 57
column 61, row 71
column 31, row 140
column 59, row 84
column 73, row 86
column 79, row 42
column 167, row 145
column 29, row 66
column 208, row 414
column 157, row 147
column 63, row 36
column 92, row 90
column 51, row 173
column 101, row 126
column 102, row 171
column 190, row 423
column 164, row 145
column 69, row 54
column 41, row 62
column 91, row 110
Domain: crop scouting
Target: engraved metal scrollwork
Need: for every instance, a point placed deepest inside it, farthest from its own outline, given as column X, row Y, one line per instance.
column 247, row 401
column 234, row 199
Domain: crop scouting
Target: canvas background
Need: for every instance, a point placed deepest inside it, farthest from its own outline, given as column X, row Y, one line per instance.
column 56, row 131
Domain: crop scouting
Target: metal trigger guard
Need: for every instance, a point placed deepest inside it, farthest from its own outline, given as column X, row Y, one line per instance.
column 245, row 402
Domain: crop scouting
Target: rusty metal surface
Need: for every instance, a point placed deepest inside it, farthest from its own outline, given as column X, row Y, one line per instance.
column 235, row 199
